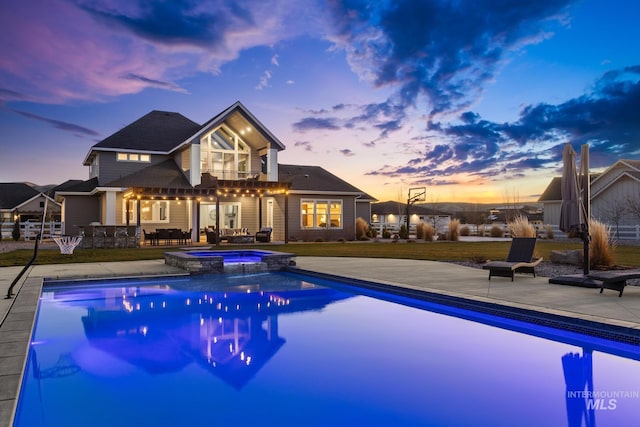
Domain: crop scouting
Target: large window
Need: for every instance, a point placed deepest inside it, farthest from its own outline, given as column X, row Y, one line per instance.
column 151, row 211
column 321, row 213
column 225, row 155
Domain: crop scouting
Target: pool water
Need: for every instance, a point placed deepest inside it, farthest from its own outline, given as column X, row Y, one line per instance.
column 281, row 349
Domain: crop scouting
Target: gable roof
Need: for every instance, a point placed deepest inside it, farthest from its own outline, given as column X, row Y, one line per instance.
column 157, row 131
column 314, row 179
column 13, row 194
column 397, row 208
column 165, row 174
column 238, row 118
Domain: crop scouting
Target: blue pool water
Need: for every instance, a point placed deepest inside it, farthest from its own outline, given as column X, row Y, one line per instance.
column 230, row 257
column 281, row 349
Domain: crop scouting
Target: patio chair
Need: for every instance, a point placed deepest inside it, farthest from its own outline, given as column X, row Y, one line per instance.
column 519, row 260
column 614, row 279
column 264, row 235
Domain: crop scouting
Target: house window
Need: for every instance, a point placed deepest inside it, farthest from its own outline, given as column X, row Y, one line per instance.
column 321, row 213
column 151, row 211
column 225, row 155
column 133, row 157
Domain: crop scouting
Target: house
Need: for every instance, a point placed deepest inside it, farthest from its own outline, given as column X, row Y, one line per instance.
column 166, row 171
column 23, row 202
column 615, row 198
column 392, row 215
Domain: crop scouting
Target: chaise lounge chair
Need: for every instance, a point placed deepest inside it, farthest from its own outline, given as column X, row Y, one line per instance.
column 615, row 280
column 519, row 260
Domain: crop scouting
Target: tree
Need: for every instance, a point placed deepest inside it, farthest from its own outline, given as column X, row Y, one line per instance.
column 612, row 212
column 633, row 207
column 15, row 233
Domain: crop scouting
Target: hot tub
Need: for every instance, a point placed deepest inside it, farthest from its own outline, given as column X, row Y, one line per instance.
column 232, row 261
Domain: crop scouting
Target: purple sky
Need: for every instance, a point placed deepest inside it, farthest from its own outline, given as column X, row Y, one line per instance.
column 472, row 99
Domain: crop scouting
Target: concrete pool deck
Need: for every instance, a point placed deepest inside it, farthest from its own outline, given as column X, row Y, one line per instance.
column 16, row 314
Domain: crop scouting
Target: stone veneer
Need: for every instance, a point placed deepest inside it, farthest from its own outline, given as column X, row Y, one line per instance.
column 194, row 264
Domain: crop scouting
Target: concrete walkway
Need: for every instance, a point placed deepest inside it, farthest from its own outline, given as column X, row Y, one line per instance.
column 17, row 314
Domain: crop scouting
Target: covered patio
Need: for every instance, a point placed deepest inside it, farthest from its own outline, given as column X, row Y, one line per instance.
column 208, row 199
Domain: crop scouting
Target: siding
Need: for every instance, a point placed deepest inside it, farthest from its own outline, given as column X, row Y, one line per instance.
column 612, row 201
column 111, row 169
column 80, row 210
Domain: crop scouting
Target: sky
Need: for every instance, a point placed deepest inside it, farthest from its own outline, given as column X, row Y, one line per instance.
column 472, row 100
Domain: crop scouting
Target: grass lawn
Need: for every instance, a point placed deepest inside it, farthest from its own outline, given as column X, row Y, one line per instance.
column 434, row 251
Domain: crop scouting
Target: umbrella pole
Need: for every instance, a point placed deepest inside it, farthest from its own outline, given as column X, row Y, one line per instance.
column 586, row 202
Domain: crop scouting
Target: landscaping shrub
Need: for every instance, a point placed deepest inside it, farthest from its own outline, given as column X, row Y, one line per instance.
column 429, row 232
column 465, row 230
column 454, row 230
column 420, row 230
column 496, row 231
column 361, row 228
column 386, row 234
column 601, row 250
column 520, row 227
column 548, row 232
column 403, row 233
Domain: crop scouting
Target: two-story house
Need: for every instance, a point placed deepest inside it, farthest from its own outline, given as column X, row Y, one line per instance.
column 166, row 171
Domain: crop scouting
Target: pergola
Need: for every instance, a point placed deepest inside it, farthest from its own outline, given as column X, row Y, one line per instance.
column 213, row 190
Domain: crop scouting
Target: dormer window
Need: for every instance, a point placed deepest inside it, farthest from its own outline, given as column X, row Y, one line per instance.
column 133, row 157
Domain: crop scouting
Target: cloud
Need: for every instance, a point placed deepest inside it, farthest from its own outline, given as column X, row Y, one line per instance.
column 264, row 80
column 155, row 83
column 346, row 152
column 180, row 22
column 607, row 118
column 152, row 43
column 440, row 50
column 316, row 123
column 65, row 126
column 304, row 144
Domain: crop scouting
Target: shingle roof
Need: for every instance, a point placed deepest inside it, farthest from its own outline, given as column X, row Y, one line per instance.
column 13, row 194
column 156, row 131
column 76, row 186
column 553, row 191
column 165, row 174
column 314, row 178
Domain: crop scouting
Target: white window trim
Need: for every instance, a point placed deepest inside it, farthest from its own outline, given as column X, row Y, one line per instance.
column 315, row 226
column 134, row 212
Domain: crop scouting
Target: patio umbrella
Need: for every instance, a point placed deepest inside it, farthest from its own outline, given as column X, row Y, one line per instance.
column 570, row 211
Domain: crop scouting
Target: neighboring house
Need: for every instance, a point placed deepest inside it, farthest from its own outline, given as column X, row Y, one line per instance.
column 21, row 201
column 392, row 215
column 166, row 171
column 506, row 214
column 613, row 192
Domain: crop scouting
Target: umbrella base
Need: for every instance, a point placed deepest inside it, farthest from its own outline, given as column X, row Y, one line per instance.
column 575, row 280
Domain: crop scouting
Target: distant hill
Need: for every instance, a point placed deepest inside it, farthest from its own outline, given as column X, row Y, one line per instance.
column 453, row 207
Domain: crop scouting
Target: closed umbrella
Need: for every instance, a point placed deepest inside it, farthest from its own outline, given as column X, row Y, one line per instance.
column 570, row 211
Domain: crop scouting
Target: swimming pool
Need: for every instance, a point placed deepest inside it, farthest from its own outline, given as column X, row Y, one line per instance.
column 286, row 349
